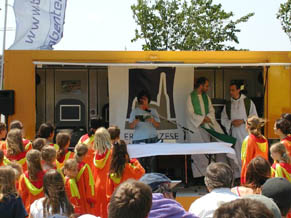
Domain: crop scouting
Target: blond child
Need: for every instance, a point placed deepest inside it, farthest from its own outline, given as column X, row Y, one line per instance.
column 10, row 203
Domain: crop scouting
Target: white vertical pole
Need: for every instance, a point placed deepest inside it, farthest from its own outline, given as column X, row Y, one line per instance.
column 4, row 45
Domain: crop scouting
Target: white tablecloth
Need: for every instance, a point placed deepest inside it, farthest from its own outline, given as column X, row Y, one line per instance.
column 155, row 149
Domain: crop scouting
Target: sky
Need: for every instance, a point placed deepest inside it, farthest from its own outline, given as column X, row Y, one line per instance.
column 109, row 25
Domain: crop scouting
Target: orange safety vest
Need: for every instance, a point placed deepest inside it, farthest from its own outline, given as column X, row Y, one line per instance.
column 252, row 147
column 282, row 170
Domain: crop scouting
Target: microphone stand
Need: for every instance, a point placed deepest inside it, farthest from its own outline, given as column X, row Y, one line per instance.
column 185, row 130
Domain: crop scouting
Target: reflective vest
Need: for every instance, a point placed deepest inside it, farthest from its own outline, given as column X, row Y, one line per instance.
column 32, row 189
column 91, row 178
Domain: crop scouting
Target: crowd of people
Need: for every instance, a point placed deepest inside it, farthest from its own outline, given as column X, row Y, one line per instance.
column 99, row 179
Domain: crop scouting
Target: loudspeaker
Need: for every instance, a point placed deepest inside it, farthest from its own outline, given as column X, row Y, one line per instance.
column 7, row 102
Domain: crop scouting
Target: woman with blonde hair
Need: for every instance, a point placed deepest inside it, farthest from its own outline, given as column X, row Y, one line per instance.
column 254, row 144
column 55, row 200
column 282, row 162
column 31, row 181
column 10, row 203
column 100, row 169
column 14, row 148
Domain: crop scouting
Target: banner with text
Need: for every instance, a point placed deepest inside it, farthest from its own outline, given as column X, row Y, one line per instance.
column 39, row 23
column 168, row 87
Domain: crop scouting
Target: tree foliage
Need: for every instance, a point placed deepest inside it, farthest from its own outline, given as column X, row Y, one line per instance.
column 185, row 25
column 284, row 15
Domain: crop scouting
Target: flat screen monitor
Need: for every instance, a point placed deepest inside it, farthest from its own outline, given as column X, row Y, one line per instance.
column 70, row 113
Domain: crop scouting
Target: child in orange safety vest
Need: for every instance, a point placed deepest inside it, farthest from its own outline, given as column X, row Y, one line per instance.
column 47, row 132
column 63, row 140
column 282, row 128
column 85, row 179
column 48, row 156
column 282, row 162
column 254, row 144
column 15, row 150
column 31, row 181
column 122, row 168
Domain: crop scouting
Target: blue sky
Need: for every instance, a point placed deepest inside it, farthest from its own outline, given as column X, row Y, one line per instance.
column 108, row 25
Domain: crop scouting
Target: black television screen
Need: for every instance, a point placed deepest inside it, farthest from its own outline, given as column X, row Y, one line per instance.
column 70, row 112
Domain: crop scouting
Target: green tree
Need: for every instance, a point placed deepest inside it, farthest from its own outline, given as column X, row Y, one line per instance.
column 284, row 15
column 185, row 25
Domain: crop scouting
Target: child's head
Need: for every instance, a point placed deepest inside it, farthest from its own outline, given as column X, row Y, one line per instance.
column 16, row 124
column 80, row 152
column 17, row 168
column 14, row 142
column 102, row 140
column 1, row 156
column 63, row 140
column 3, row 130
column 279, row 153
column 71, row 168
column 38, row 143
column 33, row 159
column 46, row 130
column 48, row 154
column 119, row 158
column 7, row 182
column 254, row 125
column 114, row 132
column 55, row 195
column 282, row 126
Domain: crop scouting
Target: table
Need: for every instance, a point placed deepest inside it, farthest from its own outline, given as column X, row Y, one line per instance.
column 160, row 149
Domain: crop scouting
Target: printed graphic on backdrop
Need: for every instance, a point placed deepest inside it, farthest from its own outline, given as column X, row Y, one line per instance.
column 160, row 85
column 169, row 88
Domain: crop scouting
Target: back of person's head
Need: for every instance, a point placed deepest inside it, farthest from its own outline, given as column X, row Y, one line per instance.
column 255, row 125
column 16, row 124
column 119, row 158
column 7, row 182
column 114, row 132
column 38, row 143
column 258, row 171
column 56, row 199
column 243, row 208
column 14, row 142
column 71, row 164
column 45, row 130
column 286, row 116
column 48, row 153
column 200, row 81
column 143, row 93
column 80, row 151
column 102, row 140
column 281, row 149
column 218, row 175
column 279, row 189
column 94, row 125
column 33, row 159
column 284, row 126
column 62, row 140
column 131, row 199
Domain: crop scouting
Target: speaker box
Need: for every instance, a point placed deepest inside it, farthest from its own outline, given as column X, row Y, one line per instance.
column 7, row 102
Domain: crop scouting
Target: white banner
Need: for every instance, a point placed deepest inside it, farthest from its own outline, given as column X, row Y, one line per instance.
column 39, row 23
column 169, row 88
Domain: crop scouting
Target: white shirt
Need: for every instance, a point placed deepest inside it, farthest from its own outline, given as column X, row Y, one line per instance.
column 36, row 209
column 205, row 206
